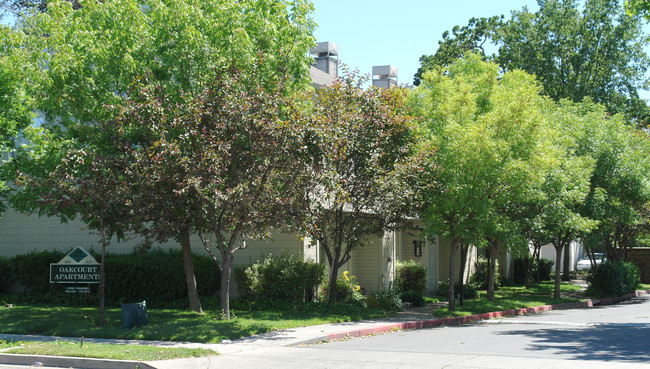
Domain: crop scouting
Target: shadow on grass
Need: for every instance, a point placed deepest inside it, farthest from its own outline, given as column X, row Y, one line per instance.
column 170, row 324
column 163, row 324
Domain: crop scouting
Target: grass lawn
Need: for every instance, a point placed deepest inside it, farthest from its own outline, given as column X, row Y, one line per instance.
column 506, row 298
column 183, row 325
column 172, row 324
column 104, row 351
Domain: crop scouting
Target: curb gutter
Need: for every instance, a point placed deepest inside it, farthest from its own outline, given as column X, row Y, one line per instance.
column 472, row 318
column 66, row 362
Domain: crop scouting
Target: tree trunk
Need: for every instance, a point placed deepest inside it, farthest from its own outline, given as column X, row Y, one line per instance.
column 528, row 274
column 461, row 273
column 566, row 264
column 492, row 270
column 226, row 271
column 558, row 259
column 452, row 270
column 188, row 268
column 538, row 277
column 102, row 277
column 331, row 286
column 488, row 267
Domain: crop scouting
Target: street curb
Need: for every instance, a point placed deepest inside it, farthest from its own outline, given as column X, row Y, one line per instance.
column 418, row 324
column 90, row 363
column 67, row 362
column 614, row 300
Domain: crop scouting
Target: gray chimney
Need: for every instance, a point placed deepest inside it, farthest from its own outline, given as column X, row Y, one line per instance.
column 326, row 57
column 384, row 76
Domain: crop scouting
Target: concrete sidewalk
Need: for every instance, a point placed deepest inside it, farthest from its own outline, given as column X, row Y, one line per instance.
column 411, row 319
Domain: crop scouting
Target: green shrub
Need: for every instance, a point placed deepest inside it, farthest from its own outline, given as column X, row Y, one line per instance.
column 544, row 267
column 615, row 278
column 347, row 289
column 479, row 280
column 285, row 277
column 519, row 271
column 386, row 300
column 411, row 281
column 155, row 276
column 469, row 292
column 414, row 297
column 6, row 275
column 32, row 270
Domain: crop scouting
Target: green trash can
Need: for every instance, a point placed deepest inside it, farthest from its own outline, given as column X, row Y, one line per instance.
column 134, row 315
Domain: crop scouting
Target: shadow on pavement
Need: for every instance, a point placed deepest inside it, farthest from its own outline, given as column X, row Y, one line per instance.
column 607, row 342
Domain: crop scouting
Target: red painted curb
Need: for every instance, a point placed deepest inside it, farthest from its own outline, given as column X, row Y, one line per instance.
column 417, row 324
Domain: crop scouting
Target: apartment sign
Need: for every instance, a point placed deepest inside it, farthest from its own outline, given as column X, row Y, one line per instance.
column 76, row 267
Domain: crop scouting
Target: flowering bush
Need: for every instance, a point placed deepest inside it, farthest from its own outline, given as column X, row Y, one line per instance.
column 347, row 288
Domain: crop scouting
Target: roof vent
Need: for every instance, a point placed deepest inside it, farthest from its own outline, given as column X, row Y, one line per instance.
column 384, row 76
column 326, row 57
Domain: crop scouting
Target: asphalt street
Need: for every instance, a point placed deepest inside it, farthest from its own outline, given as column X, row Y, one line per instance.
column 615, row 336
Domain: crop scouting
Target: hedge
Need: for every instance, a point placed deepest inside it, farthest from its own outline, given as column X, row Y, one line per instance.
column 156, row 276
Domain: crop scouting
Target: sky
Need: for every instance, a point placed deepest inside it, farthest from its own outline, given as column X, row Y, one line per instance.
column 397, row 33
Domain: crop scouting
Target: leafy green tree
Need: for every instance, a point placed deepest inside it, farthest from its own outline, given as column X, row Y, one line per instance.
column 619, row 191
column 25, row 6
column 83, row 183
column 89, row 59
column 529, row 221
column 16, row 104
column 565, row 187
column 462, row 40
column 638, row 7
column 596, row 52
column 575, row 51
column 233, row 157
column 487, row 134
column 357, row 139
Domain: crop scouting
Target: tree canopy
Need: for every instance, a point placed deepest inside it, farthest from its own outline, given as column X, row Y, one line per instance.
column 16, row 104
column 357, row 139
column 619, row 193
column 101, row 60
column 575, row 51
column 488, row 144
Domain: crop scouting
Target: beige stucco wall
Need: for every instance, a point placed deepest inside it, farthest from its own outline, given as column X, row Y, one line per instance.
column 444, row 252
column 20, row 234
column 371, row 263
column 365, row 264
column 406, row 252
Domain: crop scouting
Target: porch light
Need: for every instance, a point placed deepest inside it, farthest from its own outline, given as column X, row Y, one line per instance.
column 417, row 248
